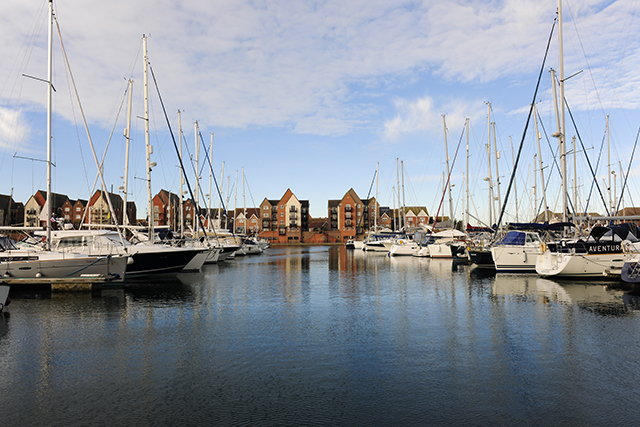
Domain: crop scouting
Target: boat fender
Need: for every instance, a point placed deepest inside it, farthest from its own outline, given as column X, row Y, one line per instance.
column 38, row 274
column 129, row 260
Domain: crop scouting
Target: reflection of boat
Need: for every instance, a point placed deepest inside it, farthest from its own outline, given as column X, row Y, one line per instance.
column 553, row 291
column 4, row 295
column 601, row 253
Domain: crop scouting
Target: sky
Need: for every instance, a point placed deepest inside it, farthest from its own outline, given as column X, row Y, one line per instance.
column 316, row 96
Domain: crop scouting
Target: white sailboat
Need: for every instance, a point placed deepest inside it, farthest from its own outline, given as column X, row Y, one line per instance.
column 37, row 264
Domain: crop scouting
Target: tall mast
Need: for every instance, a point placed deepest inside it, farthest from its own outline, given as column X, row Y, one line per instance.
column 210, row 176
column 149, row 148
column 609, row 168
column 197, row 184
column 466, row 211
column 375, row 218
column 448, row 174
column 235, row 204
column 181, row 174
column 404, row 206
column 562, row 131
column 398, row 189
column 515, row 188
column 49, row 202
column 544, row 192
column 220, row 198
column 497, row 154
column 125, row 217
column 575, row 176
column 489, row 163
column 244, row 204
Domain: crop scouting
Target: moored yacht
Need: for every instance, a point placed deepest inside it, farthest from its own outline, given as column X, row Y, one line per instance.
column 602, row 254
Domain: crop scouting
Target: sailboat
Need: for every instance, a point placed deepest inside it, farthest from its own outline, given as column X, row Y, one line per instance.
column 18, row 265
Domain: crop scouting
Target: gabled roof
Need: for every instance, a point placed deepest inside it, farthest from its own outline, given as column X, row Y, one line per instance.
column 353, row 195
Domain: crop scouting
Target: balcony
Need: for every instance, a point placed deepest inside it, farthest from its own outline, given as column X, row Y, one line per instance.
column 347, row 208
column 294, row 224
column 347, row 215
column 293, row 216
column 293, row 209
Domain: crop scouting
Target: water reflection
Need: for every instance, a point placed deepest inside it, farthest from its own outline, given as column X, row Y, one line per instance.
column 325, row 336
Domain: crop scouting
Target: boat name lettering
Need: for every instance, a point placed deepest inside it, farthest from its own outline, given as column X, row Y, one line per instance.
column 615, row 247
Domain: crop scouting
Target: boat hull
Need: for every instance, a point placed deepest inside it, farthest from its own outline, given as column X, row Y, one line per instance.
column 578, row 265
column 4, row 296
column 515, row 259
column 32, row 265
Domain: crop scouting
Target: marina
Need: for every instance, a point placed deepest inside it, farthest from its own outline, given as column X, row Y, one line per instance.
column 322, row 335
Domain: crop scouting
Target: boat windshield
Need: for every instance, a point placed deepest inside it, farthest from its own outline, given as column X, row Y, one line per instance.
column 513, row 238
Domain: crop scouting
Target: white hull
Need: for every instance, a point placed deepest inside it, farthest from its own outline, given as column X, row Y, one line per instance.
column 554, row 264
column 423, row 252
column 515, row 259
column 375, row 247
column 440, row 251
column 358, row 244
column 408, row 248
column 22, row 264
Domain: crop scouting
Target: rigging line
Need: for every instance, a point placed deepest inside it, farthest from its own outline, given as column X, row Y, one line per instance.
column 86, row 127
column 586, row 157
column 104, row 155
column 213, row 174
column 444, row 187
column 592, row 182
column 368, row 196
column 624, row 185
column 175, row 145
column 524, row 134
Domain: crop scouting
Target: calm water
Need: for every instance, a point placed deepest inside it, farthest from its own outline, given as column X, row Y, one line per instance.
column 324, row 336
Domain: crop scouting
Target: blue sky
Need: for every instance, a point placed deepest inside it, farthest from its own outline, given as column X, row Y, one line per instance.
column 312, row 95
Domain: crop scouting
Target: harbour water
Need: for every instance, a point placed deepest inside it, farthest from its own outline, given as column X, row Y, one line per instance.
column 304, row 336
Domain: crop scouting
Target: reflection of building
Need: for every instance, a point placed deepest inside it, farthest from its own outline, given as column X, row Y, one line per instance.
column 284, row 220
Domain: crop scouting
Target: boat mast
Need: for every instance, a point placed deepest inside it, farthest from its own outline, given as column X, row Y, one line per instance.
column 404, row 205
column 181, row 174
column 375, row 218
column 448, row 174
column 49, row 202
column 219, row 222
column 398, row 189
column 197, row 184
column 466, row 212
column 497, row 155
column 149, row 148
column 244, row 204
column 562, row 131
column 515, row 188
column 489, row 163
column 609, row 168
column 127, row 135
column 210, row 176
column 544, row 193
